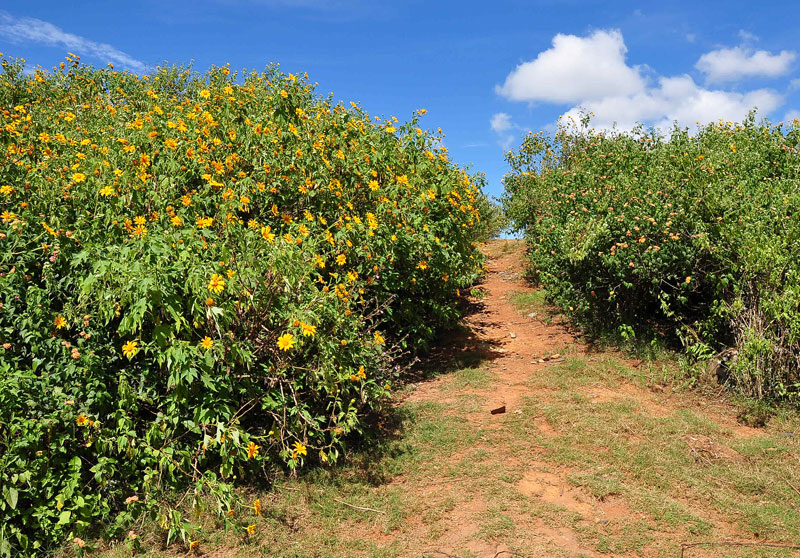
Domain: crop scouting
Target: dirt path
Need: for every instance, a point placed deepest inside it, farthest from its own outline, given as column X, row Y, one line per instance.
column 520, row 351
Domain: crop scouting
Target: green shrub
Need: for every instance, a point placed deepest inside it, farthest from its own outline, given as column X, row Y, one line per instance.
column 692, row 238
column 203, row 280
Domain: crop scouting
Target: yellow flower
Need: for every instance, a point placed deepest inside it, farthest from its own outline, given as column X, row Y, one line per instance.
column 252, row 450
column 251, row 529
column 204, row 222
column 78, row 177
column 207, row 342
column 205, row 93
column 286, row 341
column 176, row 221
column 216, row 284
column 379, row 340
column 299, row 449
column 82, row 420
column 130, row 349
column 107, row 191
column 341, row 259
column 308, row 329
column 267, row 234
column 170, row 143
column 59, row 321
column 257, row 506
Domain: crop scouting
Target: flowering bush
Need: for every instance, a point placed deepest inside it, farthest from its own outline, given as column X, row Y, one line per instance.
column 202, row 279
column 695, row 238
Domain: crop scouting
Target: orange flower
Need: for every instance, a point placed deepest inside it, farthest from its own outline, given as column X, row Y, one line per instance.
column 252, row 450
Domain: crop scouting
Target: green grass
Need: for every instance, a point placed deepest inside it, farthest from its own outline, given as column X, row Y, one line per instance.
column 447, row 463
column 646, row 459
column 532, row 302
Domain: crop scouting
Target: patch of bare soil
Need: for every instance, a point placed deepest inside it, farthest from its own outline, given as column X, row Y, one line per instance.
column 706, row 450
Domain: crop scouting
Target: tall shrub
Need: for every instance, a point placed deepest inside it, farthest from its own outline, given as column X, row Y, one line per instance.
column 203, row 278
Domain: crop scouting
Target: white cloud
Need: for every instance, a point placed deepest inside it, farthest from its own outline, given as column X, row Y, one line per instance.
column 502, row 125
column 22, row 29
column 575, row 69
column 590, row 74
column 747, row 36
column 731, row 64
column 676, row 99
column 501, row 122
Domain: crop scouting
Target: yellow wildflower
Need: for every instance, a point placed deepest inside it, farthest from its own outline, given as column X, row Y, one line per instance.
column 299, row 449
column 216, row 284
column 286, row 341
column 130, row 349
column 252, row 450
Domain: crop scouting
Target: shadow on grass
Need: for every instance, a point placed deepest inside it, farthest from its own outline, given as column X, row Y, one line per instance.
column 457, row 348
column 380, row 441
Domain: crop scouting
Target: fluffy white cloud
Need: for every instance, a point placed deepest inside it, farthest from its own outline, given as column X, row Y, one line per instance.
column 575, row 69
column 591, row 74
column 20, row 29
column 501, row 122
column 731, row 64
column 501, row 125
column 676, row 99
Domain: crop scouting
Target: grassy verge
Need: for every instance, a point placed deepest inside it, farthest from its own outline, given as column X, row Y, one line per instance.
column 642, row 474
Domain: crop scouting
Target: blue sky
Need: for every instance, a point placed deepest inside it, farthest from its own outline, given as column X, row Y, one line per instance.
column 486, row 71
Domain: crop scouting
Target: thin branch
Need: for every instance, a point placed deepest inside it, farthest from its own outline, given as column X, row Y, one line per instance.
column 358, row 507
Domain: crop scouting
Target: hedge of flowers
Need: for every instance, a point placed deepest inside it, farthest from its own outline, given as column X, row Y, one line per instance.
column 203, row 279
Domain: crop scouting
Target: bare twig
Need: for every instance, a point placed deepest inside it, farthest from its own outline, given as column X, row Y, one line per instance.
column 440, row 552
column 793, row 487
column 358, row 507
column 684, row 546
column 499, row 553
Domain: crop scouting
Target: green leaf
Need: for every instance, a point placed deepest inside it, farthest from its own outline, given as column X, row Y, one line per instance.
column 12, row 496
